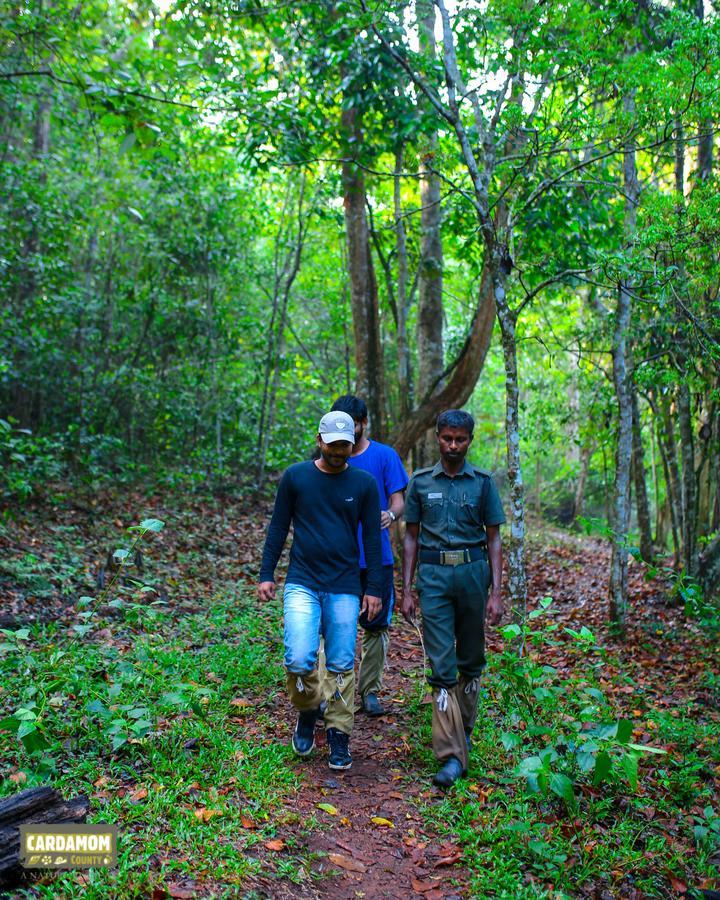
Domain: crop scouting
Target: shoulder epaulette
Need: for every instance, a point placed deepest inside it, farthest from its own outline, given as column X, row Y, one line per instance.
column 422, row 471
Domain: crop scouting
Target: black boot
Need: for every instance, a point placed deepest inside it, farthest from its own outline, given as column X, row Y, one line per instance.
column 338, row 744
column 372, row 705
column 447, row 776
column 303, row 740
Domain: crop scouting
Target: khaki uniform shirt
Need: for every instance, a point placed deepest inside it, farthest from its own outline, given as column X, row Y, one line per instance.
column 452, row 512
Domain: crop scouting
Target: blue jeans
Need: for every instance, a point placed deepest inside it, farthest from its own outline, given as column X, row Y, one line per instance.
column 310, row 614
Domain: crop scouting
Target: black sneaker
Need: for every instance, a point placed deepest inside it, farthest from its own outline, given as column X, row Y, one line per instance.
column 372, row 705
column 338, row 743
column 303, row 740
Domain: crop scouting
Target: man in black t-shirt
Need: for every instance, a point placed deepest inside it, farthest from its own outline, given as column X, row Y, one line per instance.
column 325, row 500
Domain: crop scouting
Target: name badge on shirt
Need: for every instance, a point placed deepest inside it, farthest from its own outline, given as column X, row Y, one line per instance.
column 435, row 496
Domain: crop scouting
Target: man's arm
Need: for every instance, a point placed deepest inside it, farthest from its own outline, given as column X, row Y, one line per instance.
column 410, row 552
column 275, row 539
column 494, row 610
column 396, row 506
column 370, row 520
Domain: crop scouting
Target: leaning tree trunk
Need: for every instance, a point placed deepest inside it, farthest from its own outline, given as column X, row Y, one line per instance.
column 363, row 285
column 621, row 355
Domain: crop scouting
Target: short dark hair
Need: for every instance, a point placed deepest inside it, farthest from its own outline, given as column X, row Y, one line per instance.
column 352, row 405
column 455, row 418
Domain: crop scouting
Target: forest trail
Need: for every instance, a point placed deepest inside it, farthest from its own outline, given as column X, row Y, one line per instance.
column 369, row 832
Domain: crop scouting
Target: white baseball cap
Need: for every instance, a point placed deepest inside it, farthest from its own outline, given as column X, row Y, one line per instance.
column 337, row 426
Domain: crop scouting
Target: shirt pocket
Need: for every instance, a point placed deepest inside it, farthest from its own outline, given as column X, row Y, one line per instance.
column 469, row 513
column 433, row 510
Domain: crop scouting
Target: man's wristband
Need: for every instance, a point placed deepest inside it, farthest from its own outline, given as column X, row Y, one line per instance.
column 392, row 515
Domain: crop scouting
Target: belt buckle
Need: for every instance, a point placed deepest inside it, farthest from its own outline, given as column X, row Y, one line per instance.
column 453, row 557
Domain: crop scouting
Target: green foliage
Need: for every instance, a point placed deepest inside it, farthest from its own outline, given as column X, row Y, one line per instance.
column 579, row 741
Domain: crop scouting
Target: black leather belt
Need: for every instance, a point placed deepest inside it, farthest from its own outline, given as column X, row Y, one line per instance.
column 453, row 557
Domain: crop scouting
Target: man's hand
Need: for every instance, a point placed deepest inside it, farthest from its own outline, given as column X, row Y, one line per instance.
column 386, row 519
column 371, row 606
column 266, row 591
column 494, row 610
column 409, row 603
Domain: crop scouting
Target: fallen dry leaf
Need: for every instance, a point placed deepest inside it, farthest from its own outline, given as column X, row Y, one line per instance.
column 448, row 860
column 180, row 892
column 275, row 845
column 18, row 778
column 346, row 862
column 139, row 794
column 328, row 808
column 422, row 887
column 205, row 814
column 378, row 820
column 247, row 823
column 678, row 886
column 240, row 702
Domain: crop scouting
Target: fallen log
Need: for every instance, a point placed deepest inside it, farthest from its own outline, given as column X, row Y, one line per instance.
column 35, row 806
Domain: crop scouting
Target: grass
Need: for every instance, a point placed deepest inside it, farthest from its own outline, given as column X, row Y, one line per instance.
column 152, row 722
column 521, row 842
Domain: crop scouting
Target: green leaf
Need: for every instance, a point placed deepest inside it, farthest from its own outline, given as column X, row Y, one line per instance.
column 127, row 144
column 603, row 766
column 120, row 555
column 34, row 742
column 25, row 729
column 624, row 731
column 118, row 740
column 629, row 762
column 531, row 765
column 152, row 524
column 11, row 723
column 585, row 761
column 562, row 786
column 510, row 741
column 510, row 631
column 645, row 749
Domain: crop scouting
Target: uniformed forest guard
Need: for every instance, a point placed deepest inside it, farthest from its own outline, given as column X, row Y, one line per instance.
column 453, row 513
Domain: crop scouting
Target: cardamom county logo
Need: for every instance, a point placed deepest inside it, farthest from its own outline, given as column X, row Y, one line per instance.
column 68, row 846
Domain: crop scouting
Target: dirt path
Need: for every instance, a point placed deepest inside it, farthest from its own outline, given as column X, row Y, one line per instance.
column 371, row 841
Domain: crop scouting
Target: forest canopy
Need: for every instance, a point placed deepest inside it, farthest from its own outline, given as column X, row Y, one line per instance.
column 218, row 216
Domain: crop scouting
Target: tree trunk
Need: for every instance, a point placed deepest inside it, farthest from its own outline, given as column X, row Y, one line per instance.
column 668, row 454
column 35, row 806
column 287, row 258
column 517, row 579
column 621, row 355
column 403, row 349
column 430, row 306
column 465, row 372
column 579, row 504
column 363, row 285
column 688, row 487
column 641, row 496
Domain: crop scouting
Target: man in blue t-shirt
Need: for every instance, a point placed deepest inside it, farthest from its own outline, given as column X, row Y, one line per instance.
column 384, row 464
